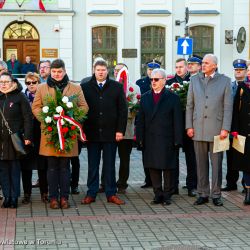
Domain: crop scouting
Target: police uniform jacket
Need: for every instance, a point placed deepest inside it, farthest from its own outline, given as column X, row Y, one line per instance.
column 144, row 84
column 108, row 110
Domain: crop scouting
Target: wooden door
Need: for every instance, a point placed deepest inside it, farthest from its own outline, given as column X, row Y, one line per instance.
column 22, row 48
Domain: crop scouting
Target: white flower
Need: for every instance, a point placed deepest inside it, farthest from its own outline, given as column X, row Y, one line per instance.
column 62, row 122
column 45, row 109
column 69, row 105
column 48, row 119
column 59, row 109
column 65, row 99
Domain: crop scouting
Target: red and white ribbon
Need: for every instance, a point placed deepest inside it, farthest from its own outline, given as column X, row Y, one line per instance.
column 59, row 119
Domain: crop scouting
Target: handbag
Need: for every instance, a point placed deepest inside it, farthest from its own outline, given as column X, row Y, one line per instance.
column 16, row 138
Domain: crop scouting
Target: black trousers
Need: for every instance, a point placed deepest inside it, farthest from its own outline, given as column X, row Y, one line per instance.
column 124, row 151
column 232, row 175
column 75, row 168
column 27, row 180
column 146, row 172
column 162, row 191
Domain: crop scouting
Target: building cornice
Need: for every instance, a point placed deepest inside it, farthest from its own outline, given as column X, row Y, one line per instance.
column 105, row 13
column 204, row 12
column 7, row 12
column 154, row 12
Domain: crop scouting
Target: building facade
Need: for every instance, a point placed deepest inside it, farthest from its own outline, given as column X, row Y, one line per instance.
column 129, row 31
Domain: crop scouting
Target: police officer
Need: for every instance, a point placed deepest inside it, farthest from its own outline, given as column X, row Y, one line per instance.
column 240, row 70
column 145, row 85
column 194, row 65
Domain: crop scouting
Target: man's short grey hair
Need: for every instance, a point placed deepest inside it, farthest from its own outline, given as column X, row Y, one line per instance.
column 3, row 64
column 213, row 57
column 162, row 72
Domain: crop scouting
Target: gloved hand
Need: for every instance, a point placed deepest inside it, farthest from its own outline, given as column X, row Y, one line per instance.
column 235, row 134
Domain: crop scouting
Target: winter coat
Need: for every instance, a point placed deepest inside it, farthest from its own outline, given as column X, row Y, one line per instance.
column 107, row 110
column 159, row 129
column 28, row 67
column 209, row 106
column 16, row 70
column 43, row 90
column 144, row 84
column 178, row 79
column 16, row 109
column 241, row 124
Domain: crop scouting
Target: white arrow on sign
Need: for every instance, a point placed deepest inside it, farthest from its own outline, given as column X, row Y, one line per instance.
column 184, row 46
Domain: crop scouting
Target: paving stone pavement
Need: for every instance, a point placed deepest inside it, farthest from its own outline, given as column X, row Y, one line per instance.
column 136, row 225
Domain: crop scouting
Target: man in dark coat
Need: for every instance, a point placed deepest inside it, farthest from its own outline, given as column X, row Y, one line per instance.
column 240, row 70
column 105, row 126
column 145, row 85
column 181, row 75
column 28, row 66
column 159, row 131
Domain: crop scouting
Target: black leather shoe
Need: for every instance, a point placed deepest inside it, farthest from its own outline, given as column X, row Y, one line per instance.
column 75, row 190
column 217, row 202
column 228, row 188
column 13, row 203
column 6, row 203
column 156, row 201
column 146, row 185
column 201, row 201
column 176, row 191
column 191, row 193
column 166, row 202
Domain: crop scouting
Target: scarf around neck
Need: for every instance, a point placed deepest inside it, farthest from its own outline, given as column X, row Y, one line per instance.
column 58, row 84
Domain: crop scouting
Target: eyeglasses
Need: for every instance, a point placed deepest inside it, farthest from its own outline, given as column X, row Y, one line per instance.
column 45, row 67
column 5, row 82
column 155, row 79
column 31, row 82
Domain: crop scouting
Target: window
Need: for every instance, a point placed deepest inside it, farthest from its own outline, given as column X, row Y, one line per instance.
column 20, row 31
column 203, row 40
column 152, row 46
column 104, row 44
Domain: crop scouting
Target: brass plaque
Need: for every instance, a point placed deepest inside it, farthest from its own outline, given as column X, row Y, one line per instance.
column 50, row 53
column 129, row 53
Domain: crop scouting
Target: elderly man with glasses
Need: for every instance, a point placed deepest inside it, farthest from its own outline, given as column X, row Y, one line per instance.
column 159, row 132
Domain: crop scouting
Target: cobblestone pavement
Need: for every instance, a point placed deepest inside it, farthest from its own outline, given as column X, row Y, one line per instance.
column 136, row 225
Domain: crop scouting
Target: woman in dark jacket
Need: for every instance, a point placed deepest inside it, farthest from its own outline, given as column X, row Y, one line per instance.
column 16, row 110
column 241, row 126
column 33, row 159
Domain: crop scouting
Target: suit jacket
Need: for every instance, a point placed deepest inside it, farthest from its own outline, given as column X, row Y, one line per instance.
column 43, row 90
column 209, row 106
column 159, row 128
column 108, row 110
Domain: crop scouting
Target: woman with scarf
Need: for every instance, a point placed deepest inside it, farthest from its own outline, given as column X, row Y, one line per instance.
column 58, row 163
column 34, row 160
column 17, row 112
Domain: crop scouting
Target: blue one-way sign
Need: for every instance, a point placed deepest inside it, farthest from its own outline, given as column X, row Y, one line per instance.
column 185, row 46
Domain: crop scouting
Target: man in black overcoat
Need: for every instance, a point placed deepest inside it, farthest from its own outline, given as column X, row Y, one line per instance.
column 159, row 131
column 104, row 127
column 145, row 85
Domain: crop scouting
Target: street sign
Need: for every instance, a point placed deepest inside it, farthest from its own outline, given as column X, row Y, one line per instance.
column 185, row 46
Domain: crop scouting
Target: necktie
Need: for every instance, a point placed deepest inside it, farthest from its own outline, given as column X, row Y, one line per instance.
column 100, row 85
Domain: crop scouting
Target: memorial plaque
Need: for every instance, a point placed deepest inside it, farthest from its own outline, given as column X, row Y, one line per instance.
column 50, row 53
column 129, row 53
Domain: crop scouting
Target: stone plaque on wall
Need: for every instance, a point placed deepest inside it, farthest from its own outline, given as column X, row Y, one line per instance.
column 129, row 53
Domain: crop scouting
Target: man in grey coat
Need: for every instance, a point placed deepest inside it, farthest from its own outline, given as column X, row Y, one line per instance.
column 208, row 113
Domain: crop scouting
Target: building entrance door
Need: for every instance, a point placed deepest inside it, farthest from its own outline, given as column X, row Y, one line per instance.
column 22, row 48
column 21, row 39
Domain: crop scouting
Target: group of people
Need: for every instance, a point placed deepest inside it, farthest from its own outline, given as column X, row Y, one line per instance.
column 17, row 69
column 161, row 126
